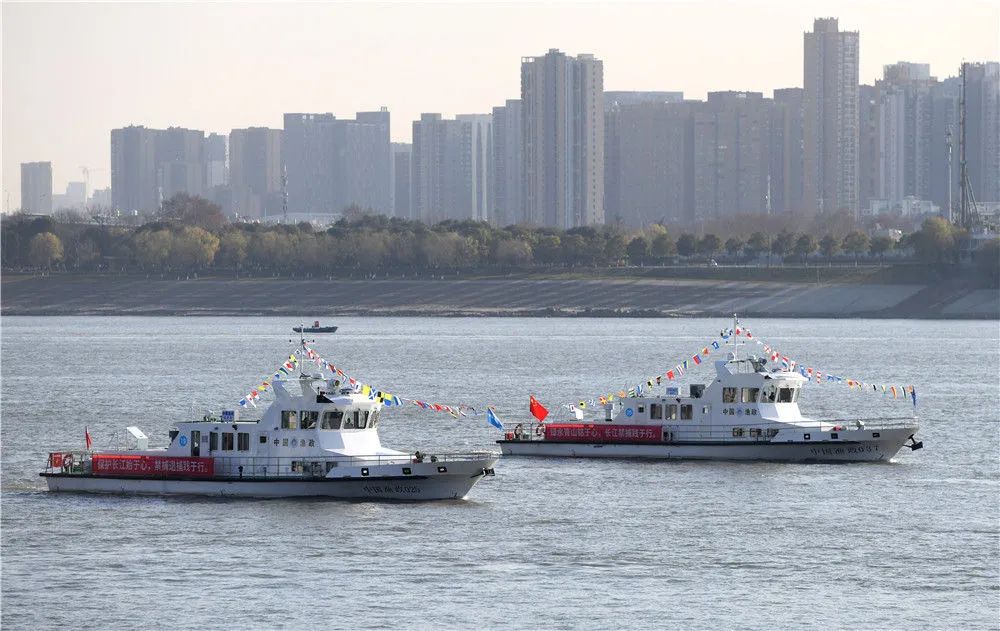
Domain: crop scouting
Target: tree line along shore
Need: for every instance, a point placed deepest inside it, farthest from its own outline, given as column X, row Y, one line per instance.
column 192, row 236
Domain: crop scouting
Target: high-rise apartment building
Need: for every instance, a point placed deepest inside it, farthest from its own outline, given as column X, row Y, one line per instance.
column 216, row 171
column 36, row 187
column 180, row 161
column 563, row 136
column 982, row 131
column 648, row 161
column 255, row 171
column 333, row 163
column 368, row 154
column 444, row 169
column 402, row 159
column 944, row 139
column 621, row 115
column 785, row 183
column 905, row 97
column 134, row 178
column 830, row 118
column 731, row 152
column 481, row 153
column 508, row 164
column 869, row 145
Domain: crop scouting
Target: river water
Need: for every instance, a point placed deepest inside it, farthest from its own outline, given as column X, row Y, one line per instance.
column 548, row 543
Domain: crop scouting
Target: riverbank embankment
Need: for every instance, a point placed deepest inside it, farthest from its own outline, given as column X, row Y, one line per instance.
column 521, row 296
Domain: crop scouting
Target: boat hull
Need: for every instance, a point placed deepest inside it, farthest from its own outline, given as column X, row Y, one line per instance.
column 455, row 484
column 876, row 450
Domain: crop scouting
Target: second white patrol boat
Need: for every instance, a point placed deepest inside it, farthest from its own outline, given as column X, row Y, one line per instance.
column 747, row 413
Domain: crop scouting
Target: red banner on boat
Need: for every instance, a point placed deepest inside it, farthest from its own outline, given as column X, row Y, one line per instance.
column 579, row 432
column 153, row 466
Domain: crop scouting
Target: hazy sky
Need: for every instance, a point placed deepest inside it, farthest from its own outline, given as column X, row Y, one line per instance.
column 72, row 72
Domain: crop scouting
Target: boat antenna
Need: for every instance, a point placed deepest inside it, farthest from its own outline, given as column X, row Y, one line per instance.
column 302, row 347
column 736, row 338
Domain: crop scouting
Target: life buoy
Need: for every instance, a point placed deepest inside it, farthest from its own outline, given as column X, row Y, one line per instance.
column 67, row 463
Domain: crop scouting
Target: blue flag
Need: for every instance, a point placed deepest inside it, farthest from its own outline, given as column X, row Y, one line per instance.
column 913, row 393
column 494, row 421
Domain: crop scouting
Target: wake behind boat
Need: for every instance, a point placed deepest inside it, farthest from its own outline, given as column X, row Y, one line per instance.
column 747, row 413
column 318, row 438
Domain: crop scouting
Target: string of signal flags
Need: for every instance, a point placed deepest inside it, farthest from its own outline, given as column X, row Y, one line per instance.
column 770, row 352
column 385, row 398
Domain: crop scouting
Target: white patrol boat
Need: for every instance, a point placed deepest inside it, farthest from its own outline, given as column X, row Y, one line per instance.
column 316, row 439
column 747, row 413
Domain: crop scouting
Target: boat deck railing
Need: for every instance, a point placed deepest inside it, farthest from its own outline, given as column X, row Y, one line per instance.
column 243, row 467
column 678, row 430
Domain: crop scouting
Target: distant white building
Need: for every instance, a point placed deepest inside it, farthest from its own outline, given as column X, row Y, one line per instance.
column 908, row 206
column 101, row 198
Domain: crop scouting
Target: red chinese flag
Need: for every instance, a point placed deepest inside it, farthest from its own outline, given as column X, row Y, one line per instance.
column 86, row 435
column 537, row 409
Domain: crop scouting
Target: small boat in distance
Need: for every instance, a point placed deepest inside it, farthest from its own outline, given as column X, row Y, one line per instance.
column 746, row 412
column 315, row 328
column 319, row 438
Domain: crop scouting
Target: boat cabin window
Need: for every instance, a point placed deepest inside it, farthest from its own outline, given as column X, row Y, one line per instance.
column 750, row 395
column 213, row 441
column 786, row 395
column 263, row 439
column 309, row 419
column 687, row 412
column 351, row 420
column 655, row 411
column 243, row 441
column 729, row 395
column 289, row 419
column 642, row 408
column 227, row 441
column 362, row 419
column 768, row 394
column 672, row 412
column 332, row 419
column 373, row 418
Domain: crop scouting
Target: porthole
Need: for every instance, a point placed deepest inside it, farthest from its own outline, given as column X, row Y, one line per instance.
column 407, row 471
column 875, row 434
column 442, row 469
column 834, row 435
column 806, row 436
column 364, row 471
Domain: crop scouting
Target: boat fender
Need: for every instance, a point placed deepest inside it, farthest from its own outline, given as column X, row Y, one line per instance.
column 67, row 462
column 509, row 435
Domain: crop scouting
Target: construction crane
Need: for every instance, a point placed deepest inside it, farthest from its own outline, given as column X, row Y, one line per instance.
column 968, row 214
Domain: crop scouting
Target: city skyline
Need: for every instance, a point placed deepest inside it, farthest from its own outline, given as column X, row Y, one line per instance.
column 61, row 112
